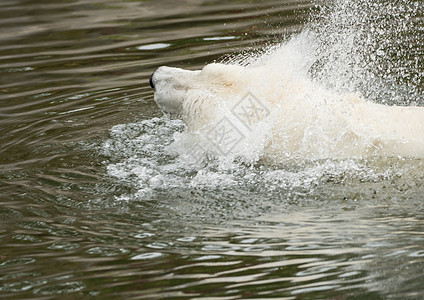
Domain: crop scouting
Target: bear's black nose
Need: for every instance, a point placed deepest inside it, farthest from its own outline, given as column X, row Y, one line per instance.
column 151, row 82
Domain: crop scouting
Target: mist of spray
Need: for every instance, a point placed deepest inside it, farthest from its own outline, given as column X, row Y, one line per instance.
column 374, row 47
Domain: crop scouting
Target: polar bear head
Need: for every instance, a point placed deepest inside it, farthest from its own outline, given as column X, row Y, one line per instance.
column 196, row 94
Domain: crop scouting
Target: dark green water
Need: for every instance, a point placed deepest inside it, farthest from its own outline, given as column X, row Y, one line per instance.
column 93, row 205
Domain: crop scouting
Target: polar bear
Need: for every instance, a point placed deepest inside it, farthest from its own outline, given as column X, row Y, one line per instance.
column 297, row 117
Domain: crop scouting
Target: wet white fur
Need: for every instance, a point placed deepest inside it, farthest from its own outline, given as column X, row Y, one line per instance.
column 305, row 120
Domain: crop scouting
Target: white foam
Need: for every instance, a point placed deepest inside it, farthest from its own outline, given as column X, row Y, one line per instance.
column 153, row 171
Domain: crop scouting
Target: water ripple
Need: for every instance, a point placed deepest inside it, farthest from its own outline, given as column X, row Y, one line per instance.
column 92, row 204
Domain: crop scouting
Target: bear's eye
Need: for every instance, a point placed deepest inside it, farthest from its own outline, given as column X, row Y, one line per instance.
column 228, row 84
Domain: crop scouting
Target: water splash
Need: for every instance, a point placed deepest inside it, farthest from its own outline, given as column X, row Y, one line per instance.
column 140, row 157
column 373, row 48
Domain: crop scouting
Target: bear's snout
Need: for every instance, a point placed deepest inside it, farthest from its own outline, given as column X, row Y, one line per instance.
column 170, row 88
column 151, row 81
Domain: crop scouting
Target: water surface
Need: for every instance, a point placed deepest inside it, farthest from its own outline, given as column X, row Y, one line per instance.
column 94, row 203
